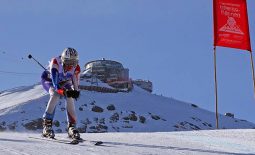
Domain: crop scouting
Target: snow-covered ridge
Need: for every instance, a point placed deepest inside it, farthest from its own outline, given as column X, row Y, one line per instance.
column 22, row 108
column 16, row 96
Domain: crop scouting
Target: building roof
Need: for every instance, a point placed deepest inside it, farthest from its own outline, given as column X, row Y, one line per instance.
column 104, row 61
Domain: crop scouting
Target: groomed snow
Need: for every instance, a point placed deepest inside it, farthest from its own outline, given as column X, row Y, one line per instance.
column 206, row 142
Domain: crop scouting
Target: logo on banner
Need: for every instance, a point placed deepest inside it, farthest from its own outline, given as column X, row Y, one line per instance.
column 231, row 27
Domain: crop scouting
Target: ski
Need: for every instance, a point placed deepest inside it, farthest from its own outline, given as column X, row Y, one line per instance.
column 73, row 141
column 81, row 140
column 67, row 141
column 97, row 143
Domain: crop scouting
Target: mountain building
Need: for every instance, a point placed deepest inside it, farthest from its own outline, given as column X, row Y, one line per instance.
column 114, row 74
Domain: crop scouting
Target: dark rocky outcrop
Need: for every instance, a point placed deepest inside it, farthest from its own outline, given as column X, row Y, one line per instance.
column 34, row 124
column 97, row 109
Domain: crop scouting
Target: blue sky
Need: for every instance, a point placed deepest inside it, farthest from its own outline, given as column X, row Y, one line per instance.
column 169, row 42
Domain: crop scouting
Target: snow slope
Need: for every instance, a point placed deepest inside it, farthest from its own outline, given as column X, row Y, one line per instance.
column 21, row 109
column 136, row 123
column 203, row 142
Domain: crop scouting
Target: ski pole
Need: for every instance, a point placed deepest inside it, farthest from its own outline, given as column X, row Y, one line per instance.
column 30, row 56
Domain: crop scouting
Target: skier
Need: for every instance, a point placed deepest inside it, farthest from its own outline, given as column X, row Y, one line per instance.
column 62, row 80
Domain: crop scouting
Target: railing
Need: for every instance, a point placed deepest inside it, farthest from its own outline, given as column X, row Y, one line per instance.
column 101, row 89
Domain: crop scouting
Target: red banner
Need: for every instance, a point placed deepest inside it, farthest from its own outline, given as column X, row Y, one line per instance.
column 231, row 28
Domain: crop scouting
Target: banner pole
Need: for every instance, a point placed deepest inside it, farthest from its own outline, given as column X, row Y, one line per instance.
column 216, row 88
column 253, row 74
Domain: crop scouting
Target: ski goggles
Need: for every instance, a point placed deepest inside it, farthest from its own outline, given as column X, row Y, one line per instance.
column 71, row 62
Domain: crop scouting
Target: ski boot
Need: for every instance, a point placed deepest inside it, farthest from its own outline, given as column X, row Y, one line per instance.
column 47, row 129
column 73, row 132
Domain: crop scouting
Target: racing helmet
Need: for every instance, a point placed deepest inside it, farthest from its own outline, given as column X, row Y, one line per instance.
column 69, row 57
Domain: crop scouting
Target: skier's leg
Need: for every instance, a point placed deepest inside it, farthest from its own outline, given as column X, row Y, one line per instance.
column 71, row 119
column 49, row 113
column 50, row 109
column 71, row 114
column 70, row 107
column 70, row 110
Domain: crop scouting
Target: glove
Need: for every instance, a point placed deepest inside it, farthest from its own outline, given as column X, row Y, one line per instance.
column 61, row 92
column 69, row 93
column 76, row 94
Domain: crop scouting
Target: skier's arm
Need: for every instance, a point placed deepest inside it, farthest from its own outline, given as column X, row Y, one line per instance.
column 76, row 78
column 76, row 81
column 54, row 76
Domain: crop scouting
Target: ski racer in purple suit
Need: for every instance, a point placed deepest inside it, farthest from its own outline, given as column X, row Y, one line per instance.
column 62, row 80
